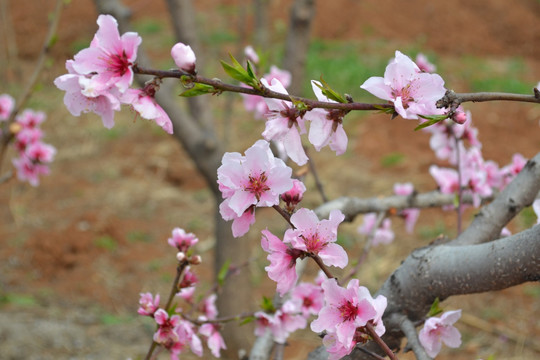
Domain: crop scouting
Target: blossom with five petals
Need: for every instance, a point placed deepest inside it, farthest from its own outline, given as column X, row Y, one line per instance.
column 438, row 330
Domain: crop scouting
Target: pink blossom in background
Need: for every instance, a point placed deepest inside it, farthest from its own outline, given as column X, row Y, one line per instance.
column 256, row 179
column 26, row 137
column 142, row 101
column 423, row 63
column 209, row 308
column 381, row 235
column 317, row 237
column 110, row 56
column 183, row 57
column 189, row 279
column 510, row 171
column 187, row 294
column 287, row 321
column 326, row 125
column 308, row 298
column 148, row 304
column 29, row 171
column 284, row 124
column 411, row 91
column 292, row 197
column 30, row 119
column 7, row 103
column 409, row 215
column 282, row 268
column 39, row 152
column 182, row 240
column 214, row 340
column 251, row 54
column 447, row 179
column 437, row 331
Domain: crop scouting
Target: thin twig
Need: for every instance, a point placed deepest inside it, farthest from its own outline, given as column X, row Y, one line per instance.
column 452, row 99
column 367, row 246
column 323, row 267
column 318, row 182
column 378, row 357
column 380, row 342
column 21, row 102
column 284, row 214
column 460, row 189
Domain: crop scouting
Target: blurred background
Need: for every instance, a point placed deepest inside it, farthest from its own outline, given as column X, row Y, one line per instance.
column 77, row 250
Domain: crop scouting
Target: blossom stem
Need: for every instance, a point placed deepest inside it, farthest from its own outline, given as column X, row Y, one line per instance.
column 285, row 215
column 378, row 357
column 179, row 270
column 323, row 267
column 380, row 341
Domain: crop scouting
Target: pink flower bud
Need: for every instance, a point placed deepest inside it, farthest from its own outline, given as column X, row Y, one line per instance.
column 459, row 117
column 183, row 57
column 294, row 196
column 251, row 54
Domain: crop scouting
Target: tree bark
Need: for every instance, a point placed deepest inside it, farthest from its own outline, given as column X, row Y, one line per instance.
column 261, row 15
column 297, row 43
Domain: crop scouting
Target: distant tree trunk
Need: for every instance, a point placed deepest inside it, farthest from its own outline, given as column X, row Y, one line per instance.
column 262, row 14
column 297, row 43
column 195, row 131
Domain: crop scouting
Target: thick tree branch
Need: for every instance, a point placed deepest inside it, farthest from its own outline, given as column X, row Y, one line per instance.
column 409, row 330
column 521, row 192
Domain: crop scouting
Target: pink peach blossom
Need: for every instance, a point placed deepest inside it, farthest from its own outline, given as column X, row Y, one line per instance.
column 183, row 57
column 7, row 103
column 412, row 92
column 440, row 330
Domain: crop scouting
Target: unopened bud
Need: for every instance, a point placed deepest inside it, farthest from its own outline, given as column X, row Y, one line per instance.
column 195, row 260
column 459, row 117
column 180, row 256
column 294, row 196
column 183, row 57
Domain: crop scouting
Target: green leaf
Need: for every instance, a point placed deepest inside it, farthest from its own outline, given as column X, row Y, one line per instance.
column 240, row 75
column 223, row 272
column 435, row 308
column 329, row 92
column 431, row 120
column 300, row 105
column 247, row 320
column 52, row 41
column 267, row 305
column 385, row 110
column 199, row 89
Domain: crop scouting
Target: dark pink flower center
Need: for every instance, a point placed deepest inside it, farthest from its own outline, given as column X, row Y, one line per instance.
column 257, row 185
column 313, row 243
column 118, row 64
column 307, row 302
column 348, row 311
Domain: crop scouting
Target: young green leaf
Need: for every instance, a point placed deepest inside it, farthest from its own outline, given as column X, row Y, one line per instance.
column 223, row 272
column 329, row 92
column 199, row 89
column 435, row 308
column 431, row 120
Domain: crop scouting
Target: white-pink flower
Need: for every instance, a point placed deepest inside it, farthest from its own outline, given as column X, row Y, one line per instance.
column 411, row 91
column 326, row 125
column 142, row 101
column 348, row 309
column 440, row 330
column 258, row 178
column 81, row 97
column 423, row 63
column 411, row 214
column 282, row 268
column 183, row 57
column 317, row 237
column 166, row 330
column 251, row 54
column 7, row 103
column 182, row 240
column 284, row 123
column 110, row 56
column 308, row 298
column 214, row 339
column 382, row 235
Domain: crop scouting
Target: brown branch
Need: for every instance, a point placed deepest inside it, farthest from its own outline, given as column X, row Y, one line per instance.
column 380, row 342
column 452, row 99
column 221, row 86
